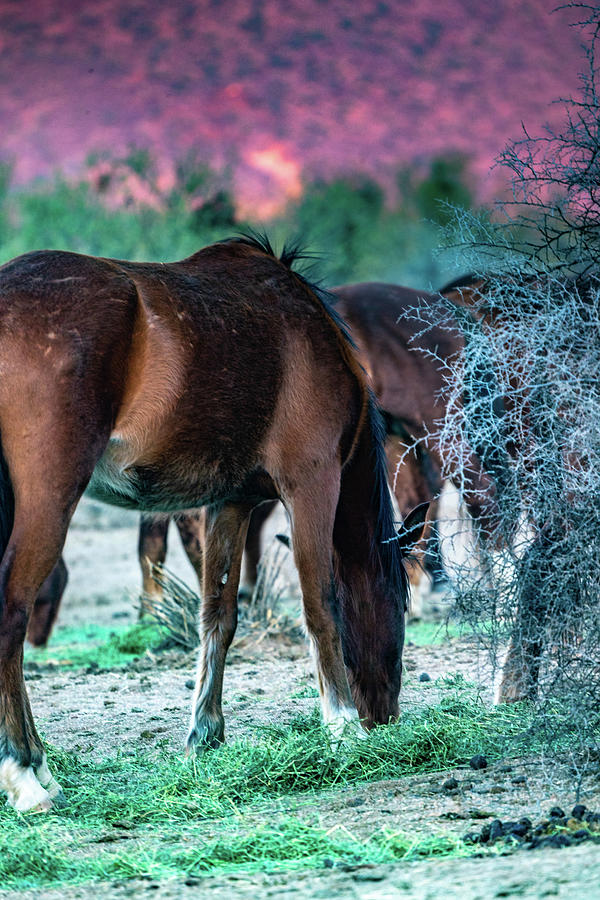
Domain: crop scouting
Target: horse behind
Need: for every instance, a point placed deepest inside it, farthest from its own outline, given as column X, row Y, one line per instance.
column 222, row 381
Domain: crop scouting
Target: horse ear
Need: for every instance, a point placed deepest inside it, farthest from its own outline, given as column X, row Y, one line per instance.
column 412, row 528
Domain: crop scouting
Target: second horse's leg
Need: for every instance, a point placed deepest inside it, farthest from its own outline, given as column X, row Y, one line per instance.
column 226, row 528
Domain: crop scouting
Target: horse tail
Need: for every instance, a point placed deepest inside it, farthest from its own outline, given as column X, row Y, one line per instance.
column 370, row 579
column 7, row 514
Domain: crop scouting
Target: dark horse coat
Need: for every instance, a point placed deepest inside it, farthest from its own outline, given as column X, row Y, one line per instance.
column 221, row 381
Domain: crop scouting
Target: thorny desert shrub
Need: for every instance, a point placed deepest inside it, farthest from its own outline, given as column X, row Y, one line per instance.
column 524, row 397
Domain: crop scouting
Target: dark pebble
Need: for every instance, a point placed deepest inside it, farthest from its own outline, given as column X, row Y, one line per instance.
column 368, row 876
column 355, row 801
column 496, row 830
column 553, row 840
column 527, row 822
column 190, row 684
column 451, row 784
column 471, row 837
column 424, row 677
column 519, row 779
column 478, row 761
column 581, row 834
column 328, row 863
column 579, row 811
column 556, row 813
column 516, row 829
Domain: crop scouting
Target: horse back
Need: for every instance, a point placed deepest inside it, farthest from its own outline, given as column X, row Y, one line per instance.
column 400, row 361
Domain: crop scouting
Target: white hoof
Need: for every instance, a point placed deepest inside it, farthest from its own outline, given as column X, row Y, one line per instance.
column 24, row 791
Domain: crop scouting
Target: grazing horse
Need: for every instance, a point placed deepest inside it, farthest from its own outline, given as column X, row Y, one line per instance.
column 219, row 381
column 384, row 341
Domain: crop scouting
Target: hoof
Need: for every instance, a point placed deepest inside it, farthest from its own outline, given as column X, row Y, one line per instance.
column 59, row 800
column 24, row 791
column 43, row 806
column 345, row 729
column 205, row 734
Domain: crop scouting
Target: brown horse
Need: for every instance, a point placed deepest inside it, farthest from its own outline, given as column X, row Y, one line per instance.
column 219, row 381
column 385, row 341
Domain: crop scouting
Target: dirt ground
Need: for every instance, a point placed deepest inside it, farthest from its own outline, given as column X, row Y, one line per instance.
column 100, row 713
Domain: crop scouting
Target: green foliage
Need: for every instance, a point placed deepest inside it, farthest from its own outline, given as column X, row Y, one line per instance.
column 424, row 634
column 96, row 646
column 173, row 816
column 346, row 220
column 444, row 187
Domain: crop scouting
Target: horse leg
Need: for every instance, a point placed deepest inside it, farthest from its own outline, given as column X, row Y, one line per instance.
column 49, row 456
column 47, row 604
column 226, row 528
column 258, row 518
column 37, row 539
column 433, row 561
column 312, row 510
column 191, row 527
column 415, row 480
column 521, row 668
column 152, row 550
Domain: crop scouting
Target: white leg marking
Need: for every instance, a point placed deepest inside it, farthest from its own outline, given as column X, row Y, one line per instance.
column 418, row 592
column 23, row 789
column 342, row 722
column 204, row 690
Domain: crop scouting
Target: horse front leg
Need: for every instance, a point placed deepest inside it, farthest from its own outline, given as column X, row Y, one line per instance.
column 226, row 529
column 312, row 511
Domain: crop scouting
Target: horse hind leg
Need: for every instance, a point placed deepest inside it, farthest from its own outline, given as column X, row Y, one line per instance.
column 152, row 551
column 225, row 536
column 191, row 527
column 312, row 510
column 24, row 773
column 46, row 487
column 252, row 550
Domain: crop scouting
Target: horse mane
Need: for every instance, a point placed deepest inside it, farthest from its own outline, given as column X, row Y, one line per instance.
column 292, row 253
